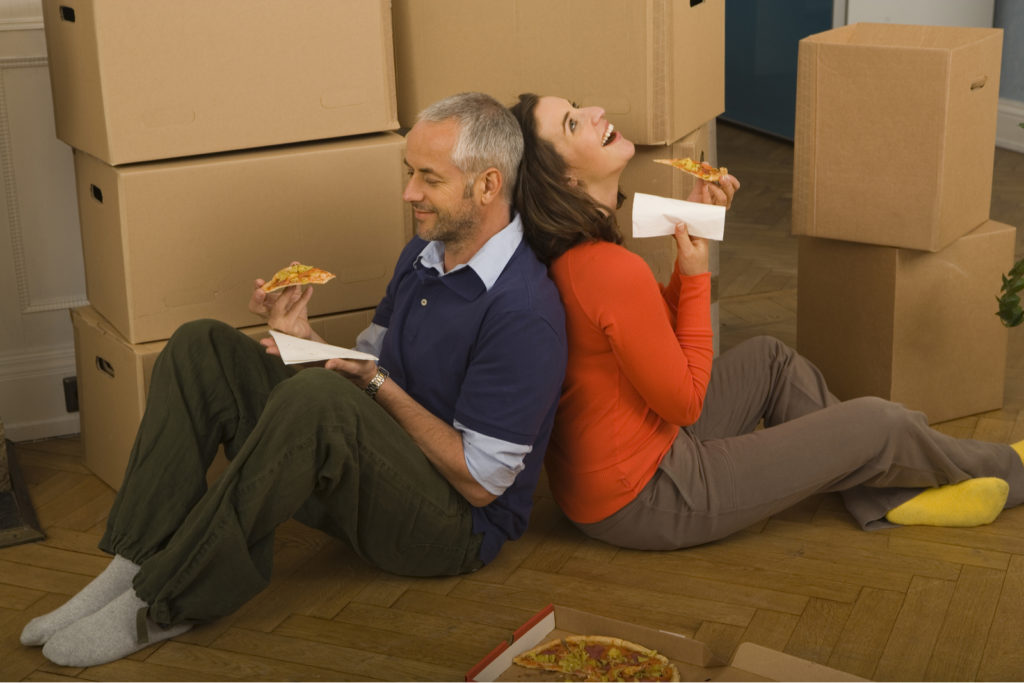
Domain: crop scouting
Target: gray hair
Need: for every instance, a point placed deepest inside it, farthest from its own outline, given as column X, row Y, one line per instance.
column 489, row 135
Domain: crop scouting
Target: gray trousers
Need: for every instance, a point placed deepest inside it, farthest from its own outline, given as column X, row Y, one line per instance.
column 721, row 475
column 307, row 444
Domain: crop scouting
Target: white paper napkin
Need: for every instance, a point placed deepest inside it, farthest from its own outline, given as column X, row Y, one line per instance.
column 296, row 350
column 654, row 216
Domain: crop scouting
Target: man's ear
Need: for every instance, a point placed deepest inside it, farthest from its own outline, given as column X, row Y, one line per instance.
column 490, row 182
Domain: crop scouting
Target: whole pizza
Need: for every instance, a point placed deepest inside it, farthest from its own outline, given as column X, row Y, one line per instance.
column 599, row 658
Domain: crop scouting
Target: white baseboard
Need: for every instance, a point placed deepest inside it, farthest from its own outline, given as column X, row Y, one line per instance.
column 1009, row 134
column 32, row 393
column 44, row 429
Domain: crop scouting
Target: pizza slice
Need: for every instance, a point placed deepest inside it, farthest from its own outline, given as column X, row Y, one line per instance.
column 599, row 658
column 297, row 274
column 701, row 169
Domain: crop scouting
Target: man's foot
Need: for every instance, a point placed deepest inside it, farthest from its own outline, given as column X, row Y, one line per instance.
column 973, row 502
column 112, row 581
column 107, row 635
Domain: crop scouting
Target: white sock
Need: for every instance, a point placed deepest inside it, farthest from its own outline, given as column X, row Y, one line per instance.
column 111, row 582
column 107, row 635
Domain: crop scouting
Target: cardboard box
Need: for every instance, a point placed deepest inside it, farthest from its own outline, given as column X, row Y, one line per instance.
column 171, row 241
column 137, row 81
column 113, row 381
column 694, row 659
column 895, row 133
column 635, row 59
column 914, row 327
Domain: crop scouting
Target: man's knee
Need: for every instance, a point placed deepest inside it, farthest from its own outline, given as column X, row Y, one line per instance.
column 312, row 389
column 201, row 333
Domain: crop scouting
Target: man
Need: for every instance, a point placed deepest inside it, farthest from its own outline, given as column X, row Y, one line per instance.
column 425, row 463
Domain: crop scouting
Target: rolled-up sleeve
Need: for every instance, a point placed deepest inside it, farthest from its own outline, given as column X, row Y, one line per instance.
column 494, row 463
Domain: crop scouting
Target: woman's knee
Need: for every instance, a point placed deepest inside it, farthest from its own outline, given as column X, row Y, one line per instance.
column 768, row 345
column 882, row 414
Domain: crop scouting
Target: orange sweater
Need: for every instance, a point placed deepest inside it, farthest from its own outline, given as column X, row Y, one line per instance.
column 639, row 365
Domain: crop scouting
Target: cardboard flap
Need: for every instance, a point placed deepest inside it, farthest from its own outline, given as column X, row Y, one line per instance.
column 779, row 666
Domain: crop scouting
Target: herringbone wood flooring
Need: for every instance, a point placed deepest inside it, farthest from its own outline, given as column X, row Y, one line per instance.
column 903, row 604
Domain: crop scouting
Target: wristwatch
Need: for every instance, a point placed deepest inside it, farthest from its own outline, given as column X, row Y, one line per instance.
column 375, row 383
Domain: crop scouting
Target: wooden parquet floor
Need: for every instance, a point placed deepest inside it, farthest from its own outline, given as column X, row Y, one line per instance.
column 901, row 604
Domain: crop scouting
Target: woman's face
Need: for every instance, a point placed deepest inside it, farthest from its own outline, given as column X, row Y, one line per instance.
column 591, row 147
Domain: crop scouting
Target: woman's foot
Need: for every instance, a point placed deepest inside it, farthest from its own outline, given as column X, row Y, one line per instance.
column 973, row 502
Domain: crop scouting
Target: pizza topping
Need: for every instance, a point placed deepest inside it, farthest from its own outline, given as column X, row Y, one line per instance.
column 702, row 169
column 599, row 658
column 297, row 274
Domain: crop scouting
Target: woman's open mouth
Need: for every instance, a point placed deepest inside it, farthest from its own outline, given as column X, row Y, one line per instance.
column 609, row 135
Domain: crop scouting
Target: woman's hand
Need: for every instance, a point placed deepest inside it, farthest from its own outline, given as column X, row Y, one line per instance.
column 692, row 252
column 712, row 193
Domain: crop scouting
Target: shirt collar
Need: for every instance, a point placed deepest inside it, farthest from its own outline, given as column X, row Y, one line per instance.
column 487, row 262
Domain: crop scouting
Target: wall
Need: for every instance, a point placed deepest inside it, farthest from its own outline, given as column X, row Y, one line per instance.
column 1009, row 16
column 41, row 270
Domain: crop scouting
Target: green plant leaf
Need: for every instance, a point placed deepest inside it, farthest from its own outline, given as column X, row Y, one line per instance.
column 1010, row 312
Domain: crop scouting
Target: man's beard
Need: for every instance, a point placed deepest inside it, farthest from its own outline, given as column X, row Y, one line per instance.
column 450, row 227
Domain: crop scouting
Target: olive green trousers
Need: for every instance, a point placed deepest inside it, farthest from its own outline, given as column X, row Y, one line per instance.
column 306, row 444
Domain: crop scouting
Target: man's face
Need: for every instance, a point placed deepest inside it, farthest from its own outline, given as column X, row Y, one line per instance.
column 443, row 206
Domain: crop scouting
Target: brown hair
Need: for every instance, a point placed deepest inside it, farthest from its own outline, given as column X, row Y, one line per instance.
column 556, row 215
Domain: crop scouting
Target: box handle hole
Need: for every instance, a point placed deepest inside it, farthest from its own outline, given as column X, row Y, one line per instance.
column 694, row 3
column 104, row 366
column 67, row 13
column 980, row 83
column 97, row 193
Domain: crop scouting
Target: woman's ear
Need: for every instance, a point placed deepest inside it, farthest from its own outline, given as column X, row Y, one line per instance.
column 573, row 182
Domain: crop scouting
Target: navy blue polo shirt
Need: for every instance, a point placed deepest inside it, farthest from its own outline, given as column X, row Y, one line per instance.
column 493, row 359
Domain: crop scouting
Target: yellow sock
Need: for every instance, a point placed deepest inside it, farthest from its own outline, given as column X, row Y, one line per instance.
column 973, row 502
column 1019, row 447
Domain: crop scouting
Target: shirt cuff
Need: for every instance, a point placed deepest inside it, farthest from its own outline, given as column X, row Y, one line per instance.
column 494, row 463
column 371, row 340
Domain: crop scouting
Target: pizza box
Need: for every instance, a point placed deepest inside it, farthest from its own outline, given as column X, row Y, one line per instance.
column 113, row 381
column 635, row 59
column 165, row 242
column 915, row 327
column 693, row 658
column 895, row 133
column 138, row 81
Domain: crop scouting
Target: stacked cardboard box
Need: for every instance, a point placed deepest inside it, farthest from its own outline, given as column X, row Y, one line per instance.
column 634, row 59
column 214, row 143
column 899, row 264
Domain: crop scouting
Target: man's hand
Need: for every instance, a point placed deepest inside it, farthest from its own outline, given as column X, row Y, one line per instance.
column 711, row 193
column 290, row 312
column 359, row 372
column 440, row 442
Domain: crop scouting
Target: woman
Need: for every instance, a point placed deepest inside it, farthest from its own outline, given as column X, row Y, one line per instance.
column 654, row 450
